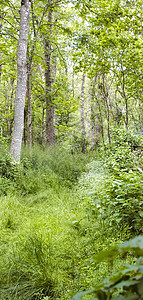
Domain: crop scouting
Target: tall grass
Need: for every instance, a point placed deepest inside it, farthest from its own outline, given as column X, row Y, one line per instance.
column 50, row 225
column 43, row 228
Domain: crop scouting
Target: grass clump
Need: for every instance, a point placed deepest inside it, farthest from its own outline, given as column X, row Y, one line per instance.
column 42, row 168
column 52, row 167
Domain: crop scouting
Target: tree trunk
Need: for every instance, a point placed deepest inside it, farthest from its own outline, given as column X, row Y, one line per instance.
column 95, row 127
column 50, row 132
column 21, row 80
column 126, row 120
column 43, row 135
column 100, row 114
column 0, row 53
column 73, row 83
column 29, row 114
column 11, row 106
column 82, row 115
column 106, row 94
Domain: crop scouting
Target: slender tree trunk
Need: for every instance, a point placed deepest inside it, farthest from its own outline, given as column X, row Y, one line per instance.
column 95, row 127
column 54, row 71
column 106, row 93
column 73, row 83
column 92, row 115
column 89, row 113
column 92, row 126
column 50, row 132
column 82, row 115
column 0, row 53
column 100, row 115
column 29, row 113
column 124, row 93
column 21, row 80
column 43, row 135
column 11, row 107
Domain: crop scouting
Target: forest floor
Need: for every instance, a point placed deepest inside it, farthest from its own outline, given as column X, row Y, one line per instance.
column 49, row 236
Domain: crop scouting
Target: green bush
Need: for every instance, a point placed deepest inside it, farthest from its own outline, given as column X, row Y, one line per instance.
column 113, row 191
column 121, row 205
column 9, row 171
column 127, row 283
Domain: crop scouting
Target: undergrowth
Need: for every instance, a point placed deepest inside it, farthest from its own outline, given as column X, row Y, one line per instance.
column 58, row 211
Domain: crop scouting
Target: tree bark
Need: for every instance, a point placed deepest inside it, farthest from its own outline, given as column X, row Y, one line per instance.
column 21, row 81
column 95, row 127
column 106, row 94
column 82, row 115
column 11, row 106
column 0, row 53
column 124, row 93
column 100, row 113
column 29, row 113
column 50, row 131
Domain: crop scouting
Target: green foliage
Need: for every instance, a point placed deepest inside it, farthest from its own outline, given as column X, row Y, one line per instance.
column 127, row 283
column 123, row 200
column 8, row 169
column 30, row 271
column 46, row 239
column 118, row 204
column 60, row 213
column 51, row 167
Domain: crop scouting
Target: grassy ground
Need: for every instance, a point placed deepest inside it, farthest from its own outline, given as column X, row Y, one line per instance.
column 49, row 231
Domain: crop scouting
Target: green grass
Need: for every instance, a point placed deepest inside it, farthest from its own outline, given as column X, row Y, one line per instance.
column 50, row 229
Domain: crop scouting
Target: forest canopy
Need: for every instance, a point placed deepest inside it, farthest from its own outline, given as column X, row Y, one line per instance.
column 83, row 70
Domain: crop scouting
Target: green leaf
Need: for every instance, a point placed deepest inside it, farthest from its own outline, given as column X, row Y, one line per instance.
column 141, row 213
column 106, row 254
column 121, row 297
column 127, row 283
column 79, row 295
column 140, row 287
column 135, row 244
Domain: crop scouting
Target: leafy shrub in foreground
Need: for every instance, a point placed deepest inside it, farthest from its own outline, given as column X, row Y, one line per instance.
column 119, row 205
column 122, row 202
column 115, row 200
column 127, row 283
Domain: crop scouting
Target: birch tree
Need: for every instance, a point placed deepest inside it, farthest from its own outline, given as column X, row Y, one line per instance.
column 21, row 80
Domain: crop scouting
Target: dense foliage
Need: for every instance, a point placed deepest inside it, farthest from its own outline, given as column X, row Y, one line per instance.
column 71, row 207
column 61, row 213
column 103, row 40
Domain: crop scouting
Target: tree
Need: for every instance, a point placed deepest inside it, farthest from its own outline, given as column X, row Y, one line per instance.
column 0, row 53
column 82, row 115
column 21, row 80
column 50, row 131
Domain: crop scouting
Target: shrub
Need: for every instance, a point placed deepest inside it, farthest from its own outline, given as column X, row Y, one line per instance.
column 127, row 283
column 9, row 171
column 121, row 205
